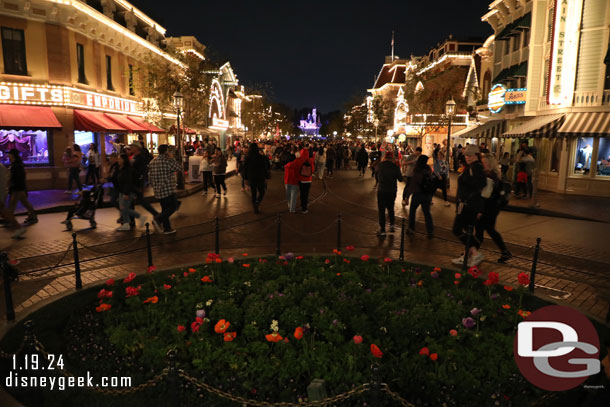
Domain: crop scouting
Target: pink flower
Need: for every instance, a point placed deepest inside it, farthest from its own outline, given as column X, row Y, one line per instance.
column 231, row 260
column 129, row 278
column 152, row 268
column 167, row 286
column 365, row 257
column 349, row 248
column 110, row 282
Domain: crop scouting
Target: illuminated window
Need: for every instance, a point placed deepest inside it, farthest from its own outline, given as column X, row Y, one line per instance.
column 131, row 88
column 80, row 60
column 603, row 157
column 109, row 73
column 13, row 48
column 583, row 155
column 33, row 146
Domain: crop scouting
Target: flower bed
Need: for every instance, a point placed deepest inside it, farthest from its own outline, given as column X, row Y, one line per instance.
column 265, row 328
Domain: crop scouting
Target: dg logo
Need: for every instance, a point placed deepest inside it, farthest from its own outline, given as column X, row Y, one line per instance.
column 557, row 348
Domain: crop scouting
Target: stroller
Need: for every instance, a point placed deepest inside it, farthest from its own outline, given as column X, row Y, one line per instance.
column 85, row 209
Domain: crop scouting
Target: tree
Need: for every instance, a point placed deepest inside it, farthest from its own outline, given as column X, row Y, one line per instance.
column 383, row 110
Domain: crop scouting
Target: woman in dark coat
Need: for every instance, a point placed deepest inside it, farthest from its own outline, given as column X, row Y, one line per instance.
column 422, row 187
column 256, row 169
column 362, row 159
column 127, row 193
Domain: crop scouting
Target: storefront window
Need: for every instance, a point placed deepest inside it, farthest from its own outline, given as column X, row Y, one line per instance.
column 603, row 157
column 112, row 143
column 556, row 155
column 84, row 140
column 582, row 160
column 33, row 146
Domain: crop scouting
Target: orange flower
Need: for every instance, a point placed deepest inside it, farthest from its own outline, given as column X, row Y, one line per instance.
column 103, row 307
column 192, row 270
column 506, row 306
column 298, row 333
column 246, row 265
column 376, row 351
column 420, row 283
column 245, row 254
column 338, row 274
column 453, row 332
column 206, row 279
column 221, row 326
column 229, row 336
column 152, row 300
column 508, row 288
column 524, row 314
column 437, row 269
column 433, row 356
column 274, row 337
column 219, row 260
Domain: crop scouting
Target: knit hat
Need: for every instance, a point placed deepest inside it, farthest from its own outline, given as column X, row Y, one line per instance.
column 471, row 149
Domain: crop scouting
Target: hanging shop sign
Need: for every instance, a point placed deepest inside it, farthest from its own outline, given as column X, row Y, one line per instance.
column 500, row 96
column 53, row 95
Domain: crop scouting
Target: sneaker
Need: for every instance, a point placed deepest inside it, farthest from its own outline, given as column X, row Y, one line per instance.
column 475, row 260
column 392, row 229
column 30, row 221
column 157, row 226
column 305, row 211
column 64, row 222
column 459, row 260
column 123, row 228
column 142, row 220
column 225, row 193
column 380, row 232
column 18, row 233
column 447, row 203
column 169, row 231
column 505, row 257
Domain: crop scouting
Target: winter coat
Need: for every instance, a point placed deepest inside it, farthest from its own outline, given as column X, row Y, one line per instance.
column 291, row 175
column 470, row 184
column 362, row 157
column 126, row 180
column 17, row 181
column 299, row 163
column 256, row 168
column 219, row 165
column 417, row 182
column 387, row 175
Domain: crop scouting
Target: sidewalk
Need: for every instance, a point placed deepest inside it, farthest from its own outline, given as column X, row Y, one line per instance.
column 55, row 200
column 552, row 204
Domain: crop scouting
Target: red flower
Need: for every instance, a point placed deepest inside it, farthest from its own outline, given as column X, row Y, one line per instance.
column 129, row 278
column 357, row 339
column 298, row 333
column 167, row 286
column 219, row 260
column 103, row 307
column 152, row 300
column 327, row 261
column 506, row 306
column 181, row 328
column 508, row 288
column 152, row 268
column 458, row 276
column 453, row 332
column 192, row 270
column 245, row 265
column 104, row 294
column 338, row 274
column 274, row 337
column 245, row 254
column 346, row 261
column 221, row 326
column 424, row 351
column 493, row 277
column 349, row 248
column 110, row 281
column 300, row 257
column 376, row 351
column 524, row 314
column 456, row 282
column 195, row 326
column 433, row 356
column 524, row 279
column 474, row 271
column 229, row 336
column 286, row 340
column 387, row 260
column 206, row 279
column 132, row 291
column 365, row 257
column 185, row 274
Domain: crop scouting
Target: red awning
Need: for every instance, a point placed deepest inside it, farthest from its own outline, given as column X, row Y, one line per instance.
column 95, row 121
column 150, row 127
column 30, row 117
column 124, row 121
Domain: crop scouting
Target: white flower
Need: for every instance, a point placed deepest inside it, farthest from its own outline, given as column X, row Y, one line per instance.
column 384, row 329
column 248, row 284
column 209, row 302
column 274, row 325
column 253, row 323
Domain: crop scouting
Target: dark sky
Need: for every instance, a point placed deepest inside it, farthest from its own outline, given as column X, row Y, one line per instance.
column 317, row 53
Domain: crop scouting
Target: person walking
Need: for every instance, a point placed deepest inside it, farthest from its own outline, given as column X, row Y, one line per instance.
column 205, row 168
column 94, row 162
column 441, row 171
column 331, row 154
column 388, row 173
column 72, row 161
column 127, row 194
column 291, row 182
column 219, row 169
column 410, row 164
column 305, row 167
column 256, row 171
column 162, row 177
column 362, row 159
column 320, row 162
column 17, row 191
column 505, row 163
column 422, row 185
column 470, row 204
column 491, row 208
column 347, row 156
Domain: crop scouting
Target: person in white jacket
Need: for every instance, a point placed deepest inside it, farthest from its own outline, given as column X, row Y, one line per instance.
column 205, row 168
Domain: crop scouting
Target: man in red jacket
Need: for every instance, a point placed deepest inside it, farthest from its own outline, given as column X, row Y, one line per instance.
column 305, row 169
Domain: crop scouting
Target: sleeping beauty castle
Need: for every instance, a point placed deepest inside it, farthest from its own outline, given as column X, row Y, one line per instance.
column 310, row 126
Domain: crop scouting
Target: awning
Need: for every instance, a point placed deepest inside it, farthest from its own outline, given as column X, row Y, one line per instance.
column 491, row 129
column 27, row 117
column 524, row 23
column 150, row 128
column 586, row 124
column 96, row 122
column 539, row 127
column 126, row 123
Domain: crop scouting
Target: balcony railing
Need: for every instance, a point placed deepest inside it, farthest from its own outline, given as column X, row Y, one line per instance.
column 592, row 98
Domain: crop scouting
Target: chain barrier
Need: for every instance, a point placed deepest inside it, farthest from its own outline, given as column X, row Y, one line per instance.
column 396, row 396
column 39, row 273
column 265, row 228
column 246, row 402
column 96, row 250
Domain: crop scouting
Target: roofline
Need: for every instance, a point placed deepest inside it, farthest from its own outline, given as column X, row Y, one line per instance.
column 142, row 16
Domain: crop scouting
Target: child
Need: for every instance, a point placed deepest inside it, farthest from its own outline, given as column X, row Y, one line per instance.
column 522, row 181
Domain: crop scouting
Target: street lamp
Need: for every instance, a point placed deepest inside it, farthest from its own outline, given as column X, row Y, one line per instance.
column 178, row 103
column 376, row 124
column 449, row 111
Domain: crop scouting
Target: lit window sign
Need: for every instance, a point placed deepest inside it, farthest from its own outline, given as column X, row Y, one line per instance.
column 500, row 96
column 219, row 124
column 52, row 95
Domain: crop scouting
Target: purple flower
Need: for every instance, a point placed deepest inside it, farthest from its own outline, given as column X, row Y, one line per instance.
column 335, row 322
column 270, row 295
column 468, row 322
column 321, row 311
column 368, row 290
column 289, row 256
column 417, row 270
column 200, row 313
column 494, row 296
column 280, row 295
column 474, row 312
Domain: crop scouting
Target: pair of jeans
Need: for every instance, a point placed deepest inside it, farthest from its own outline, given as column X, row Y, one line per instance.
column 385, row 201
column 74, row 174
column 442, row 184
column 424, row 200
column 463, row 220
column 304, row 188
column 169, row 205
column 219, row 181
column 405, row 192
column 292, row 192
column 207, row 180
column 320, row 170
column 139, row 200
column 257, row 188
column 487, row 223
column 125, row 205
column 330, row 165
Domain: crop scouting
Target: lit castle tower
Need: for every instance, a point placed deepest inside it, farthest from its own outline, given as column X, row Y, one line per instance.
column 311, row 125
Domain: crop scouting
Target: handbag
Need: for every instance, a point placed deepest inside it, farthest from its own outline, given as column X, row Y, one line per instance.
column 488, row 189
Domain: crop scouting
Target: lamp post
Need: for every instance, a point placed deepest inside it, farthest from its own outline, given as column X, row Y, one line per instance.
column 178, row 103
column 449, row 111
column 376, row 124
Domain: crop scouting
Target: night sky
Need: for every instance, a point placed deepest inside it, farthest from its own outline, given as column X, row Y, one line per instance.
column 317, row 53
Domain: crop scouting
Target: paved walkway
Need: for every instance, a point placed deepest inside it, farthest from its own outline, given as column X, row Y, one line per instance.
column 574, row 266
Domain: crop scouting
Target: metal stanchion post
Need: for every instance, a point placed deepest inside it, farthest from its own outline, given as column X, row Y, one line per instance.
column 172, row 373
column 217, row 235
column 79, row 282
column 467, row 249
column 534, row 264
column 339, row 231
column 278, row 250
column 402, row 240
column 8, row 294
column 148, row 247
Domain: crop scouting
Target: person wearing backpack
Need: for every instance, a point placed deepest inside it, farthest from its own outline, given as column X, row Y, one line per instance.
column 422, row 186
column 305, row 167
column 491, row 208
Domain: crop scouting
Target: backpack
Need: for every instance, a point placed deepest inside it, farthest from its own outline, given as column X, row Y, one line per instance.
column 503, row 194
column 305, row 169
